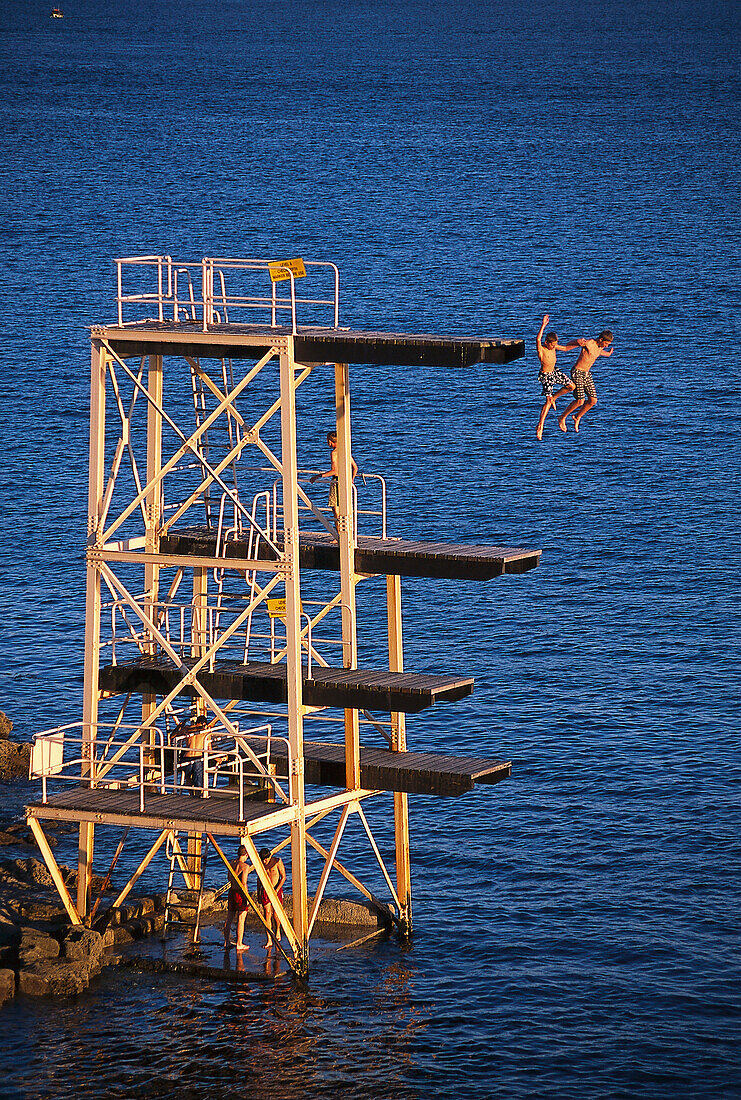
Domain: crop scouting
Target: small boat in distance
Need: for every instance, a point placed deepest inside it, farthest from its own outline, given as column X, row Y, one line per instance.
column 57, row 13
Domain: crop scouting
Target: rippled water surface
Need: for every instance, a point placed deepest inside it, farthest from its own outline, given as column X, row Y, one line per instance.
column 469, row 166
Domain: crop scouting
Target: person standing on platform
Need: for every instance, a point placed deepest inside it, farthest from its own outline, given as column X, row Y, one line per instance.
column 581, row 375
column 277, row 874
column 333, row 473
column 237, row 901
column 198, row 736
column 549, row 377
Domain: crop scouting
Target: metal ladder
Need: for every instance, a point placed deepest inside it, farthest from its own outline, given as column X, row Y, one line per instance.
column 189, row 898
column 221, row 436
column 261, row 501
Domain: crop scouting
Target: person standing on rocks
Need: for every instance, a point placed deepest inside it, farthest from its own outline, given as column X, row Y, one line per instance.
column 237, row 902
column 277, row 874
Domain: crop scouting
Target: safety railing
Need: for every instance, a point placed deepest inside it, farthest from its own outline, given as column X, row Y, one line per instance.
column 229, row 756
column 305, row 478
column 152, row 763
column 119, row 764
column 197, row 293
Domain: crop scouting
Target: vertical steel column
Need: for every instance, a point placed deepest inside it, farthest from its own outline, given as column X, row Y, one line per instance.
column 98, row 366
column 399, row 744
column 152, row 508
column 347, row 563
column 293, row 652
column 199, row 640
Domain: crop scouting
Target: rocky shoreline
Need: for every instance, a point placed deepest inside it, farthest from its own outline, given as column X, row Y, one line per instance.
column 42, row 954
column 15, row 756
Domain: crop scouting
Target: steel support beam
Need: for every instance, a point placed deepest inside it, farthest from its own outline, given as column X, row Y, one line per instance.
column 346, row 535
column 399, row 744
column 293, row 653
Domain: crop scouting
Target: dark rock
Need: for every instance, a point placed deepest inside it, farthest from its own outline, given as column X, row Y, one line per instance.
column 35, row 946
column 7, row 985
column 81, row 943
column 19, row 835
column 14, row 760
column 5, row 726
column 31, row 870
column 59, row 979
column 121, row 935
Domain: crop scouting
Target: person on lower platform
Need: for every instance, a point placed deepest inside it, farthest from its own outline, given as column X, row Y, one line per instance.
column 196, row 729
column 277, row 875
column 237, row 901
column 333, row 474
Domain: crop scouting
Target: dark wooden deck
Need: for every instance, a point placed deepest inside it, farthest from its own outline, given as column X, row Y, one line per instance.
column 161, row 811
column 399, row 557
column 311, row 345
column 369, row 689
column 380, row 770
column 383, row 770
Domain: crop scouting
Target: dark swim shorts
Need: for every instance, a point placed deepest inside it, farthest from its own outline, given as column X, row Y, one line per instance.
column 552, row 381
column 237, row 900
column 262, row 895
column 584, row 385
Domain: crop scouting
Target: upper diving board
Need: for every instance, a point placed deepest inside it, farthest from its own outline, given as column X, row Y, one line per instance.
column 311, row 345
column 356, row 688
column 393, row 557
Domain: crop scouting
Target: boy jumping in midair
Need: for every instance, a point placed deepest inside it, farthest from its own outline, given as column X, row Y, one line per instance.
column 549, row 377
column 581, row 375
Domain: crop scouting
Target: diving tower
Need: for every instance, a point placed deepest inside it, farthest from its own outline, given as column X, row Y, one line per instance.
column 220, row 583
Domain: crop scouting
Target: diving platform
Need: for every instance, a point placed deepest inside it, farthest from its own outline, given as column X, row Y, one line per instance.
column 310, row 345
column 261, row 681
column 196, row 554
column 380, row 770
column 392, row 557
column 411, row 772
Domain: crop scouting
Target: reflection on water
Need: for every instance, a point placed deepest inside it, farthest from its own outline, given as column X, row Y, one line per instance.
column 158, row 1036
column 469, row 166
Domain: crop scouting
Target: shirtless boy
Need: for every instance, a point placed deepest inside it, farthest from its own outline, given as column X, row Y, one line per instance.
column 333, row 473
column 197, row 730
column 277, row 874
column 549, row 377
column 581, row 375
column 237, row 902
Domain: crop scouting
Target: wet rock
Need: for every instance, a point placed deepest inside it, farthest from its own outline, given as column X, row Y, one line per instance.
column 121, row 935
column 35, row 945
column 18, row 835
column 14, row 760
column 5, row 726
column 55, row 979
column 7, row 985
column 81, row 943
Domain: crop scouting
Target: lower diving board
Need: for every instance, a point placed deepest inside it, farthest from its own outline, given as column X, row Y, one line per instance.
column 384, row 770
column 260, row 681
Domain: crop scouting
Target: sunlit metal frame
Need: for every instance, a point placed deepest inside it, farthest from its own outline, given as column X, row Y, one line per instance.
column 104, row 553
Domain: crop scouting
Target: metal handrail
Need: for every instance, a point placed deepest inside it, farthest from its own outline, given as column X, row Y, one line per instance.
column 91, row 762
column 212, row 270
column 88, row 764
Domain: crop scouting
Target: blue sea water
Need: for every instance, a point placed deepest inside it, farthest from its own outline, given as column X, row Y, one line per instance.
column 468, row 166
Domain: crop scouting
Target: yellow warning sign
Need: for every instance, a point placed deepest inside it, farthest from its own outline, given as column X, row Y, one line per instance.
column 276, row 608
column 279, row 269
